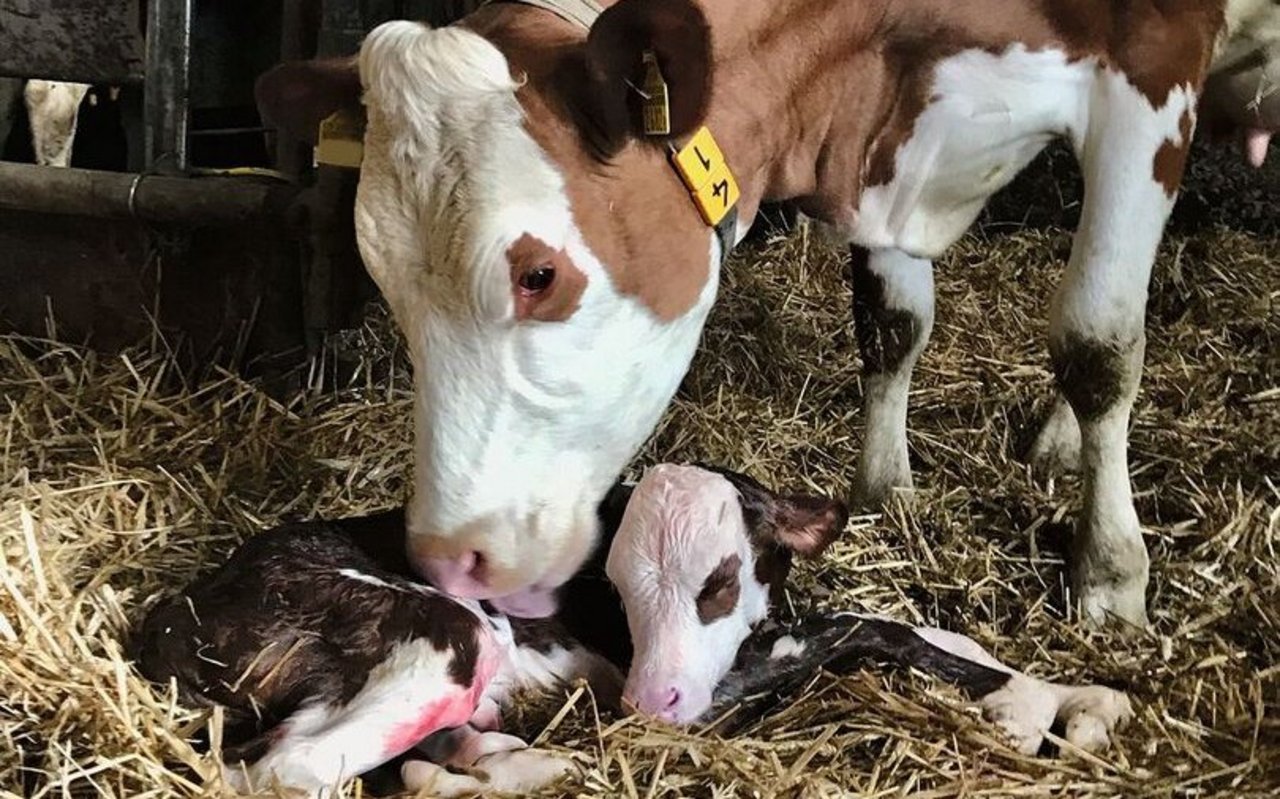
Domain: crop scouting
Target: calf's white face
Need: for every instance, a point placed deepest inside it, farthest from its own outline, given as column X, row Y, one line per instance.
column 695, row 559
column 536, row 379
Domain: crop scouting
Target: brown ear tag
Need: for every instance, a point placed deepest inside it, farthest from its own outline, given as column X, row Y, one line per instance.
column 341, row 140
column 657, row 104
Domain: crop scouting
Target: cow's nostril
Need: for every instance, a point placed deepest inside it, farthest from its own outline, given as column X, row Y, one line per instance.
column 673, row 697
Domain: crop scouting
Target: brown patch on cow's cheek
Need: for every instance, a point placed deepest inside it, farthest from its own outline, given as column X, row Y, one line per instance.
column 1172, row 157
column 643, row 227
column 562, row 299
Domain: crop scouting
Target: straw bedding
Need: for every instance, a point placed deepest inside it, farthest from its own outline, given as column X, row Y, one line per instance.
column 121, row 477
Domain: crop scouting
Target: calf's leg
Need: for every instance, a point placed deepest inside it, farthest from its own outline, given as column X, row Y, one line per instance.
column 406, row 697
column 893, row 316
column 1024, row 707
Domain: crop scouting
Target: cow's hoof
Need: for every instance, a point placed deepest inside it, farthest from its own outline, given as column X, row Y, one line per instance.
column 1122, row 605
column 875, row 488
column 1057, row 447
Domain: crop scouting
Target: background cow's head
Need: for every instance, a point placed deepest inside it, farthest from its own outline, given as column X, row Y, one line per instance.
column 697, row 558
column 500, row 196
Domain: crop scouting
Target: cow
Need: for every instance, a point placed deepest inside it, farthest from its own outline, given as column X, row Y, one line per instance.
column 330, row 658
column 52, row 109
column 1242, row 94
column 552, row 271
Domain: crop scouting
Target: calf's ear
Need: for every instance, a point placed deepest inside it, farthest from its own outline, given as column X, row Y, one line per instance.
column 296, row 96
column 676, row 32
column 805, row 524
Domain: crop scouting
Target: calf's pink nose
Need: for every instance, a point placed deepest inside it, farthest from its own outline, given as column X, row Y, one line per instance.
column 462, row 576
column 660, row 701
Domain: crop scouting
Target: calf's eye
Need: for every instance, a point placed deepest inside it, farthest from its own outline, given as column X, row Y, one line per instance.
column 537, row 279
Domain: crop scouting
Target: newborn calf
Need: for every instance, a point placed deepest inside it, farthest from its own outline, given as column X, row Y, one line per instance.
column 697, row 559
column 330, row 660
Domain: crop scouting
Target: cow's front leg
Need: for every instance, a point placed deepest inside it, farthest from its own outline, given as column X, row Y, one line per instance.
column 1131, row 157
column 893, row 316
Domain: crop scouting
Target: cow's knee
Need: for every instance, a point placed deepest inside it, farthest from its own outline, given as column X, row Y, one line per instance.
column 893, row 316
column 1097, row 372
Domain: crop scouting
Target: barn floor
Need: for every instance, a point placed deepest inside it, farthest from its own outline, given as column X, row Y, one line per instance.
column 118, row 480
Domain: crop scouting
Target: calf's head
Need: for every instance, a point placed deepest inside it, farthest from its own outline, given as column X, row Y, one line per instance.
column 696, row 559
column 497, row 231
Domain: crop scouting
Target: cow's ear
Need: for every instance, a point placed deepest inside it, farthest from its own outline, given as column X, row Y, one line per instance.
column 677, row 34
column 295, row 96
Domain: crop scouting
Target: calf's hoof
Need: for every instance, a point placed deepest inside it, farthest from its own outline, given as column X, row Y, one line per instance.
column 1091, row 713
column 511, row 772
column 1027, row 708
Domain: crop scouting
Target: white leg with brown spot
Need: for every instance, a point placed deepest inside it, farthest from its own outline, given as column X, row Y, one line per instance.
column 1096, row 331
column 893, row 316
column 1026, row 708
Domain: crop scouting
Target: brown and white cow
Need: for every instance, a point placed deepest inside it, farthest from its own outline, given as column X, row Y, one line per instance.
column 1242, row 94
column 552, row 275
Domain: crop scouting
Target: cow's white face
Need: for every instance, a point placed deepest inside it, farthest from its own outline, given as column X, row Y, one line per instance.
column 536, row 380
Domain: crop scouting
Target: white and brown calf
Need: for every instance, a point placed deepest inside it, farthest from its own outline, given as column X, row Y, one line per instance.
column 330, row 660
column 552, row 276
column 696, row 560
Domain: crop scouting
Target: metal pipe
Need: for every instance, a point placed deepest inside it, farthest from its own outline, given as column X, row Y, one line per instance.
column 204, row 201
column 167, row 85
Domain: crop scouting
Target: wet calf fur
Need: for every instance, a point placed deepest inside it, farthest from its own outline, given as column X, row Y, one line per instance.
column 699, row 558
column 330, row 660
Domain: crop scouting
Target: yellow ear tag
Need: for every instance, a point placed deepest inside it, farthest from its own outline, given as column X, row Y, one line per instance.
column 341, row 140
column 703, row 170
column 657, row 103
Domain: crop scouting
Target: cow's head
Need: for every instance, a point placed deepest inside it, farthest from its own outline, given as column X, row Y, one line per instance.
column 696, row 560
column 533, row 252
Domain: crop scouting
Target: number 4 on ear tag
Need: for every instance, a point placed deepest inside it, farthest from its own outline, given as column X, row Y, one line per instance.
column 703, row 170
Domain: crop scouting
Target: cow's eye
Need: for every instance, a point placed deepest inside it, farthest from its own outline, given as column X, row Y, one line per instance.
column 537, row 279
